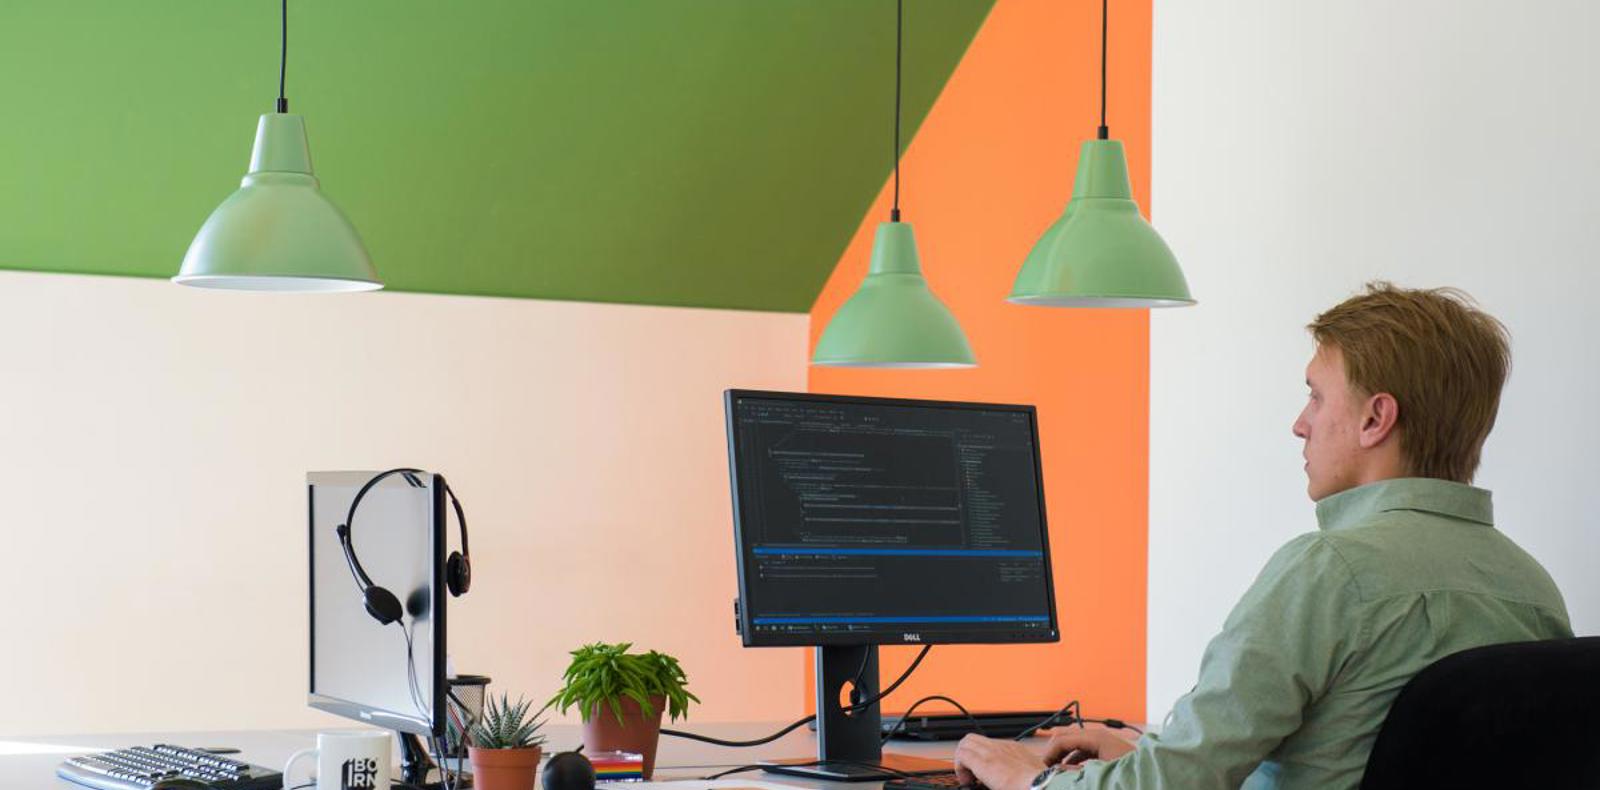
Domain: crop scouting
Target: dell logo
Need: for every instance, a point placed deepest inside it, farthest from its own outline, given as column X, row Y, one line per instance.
column 911, row 637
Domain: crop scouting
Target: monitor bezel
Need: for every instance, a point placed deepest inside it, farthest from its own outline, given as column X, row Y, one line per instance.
column 399, row 721
column 751, row 638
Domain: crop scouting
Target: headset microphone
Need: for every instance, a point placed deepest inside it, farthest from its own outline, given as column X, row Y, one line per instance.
column 379, row 602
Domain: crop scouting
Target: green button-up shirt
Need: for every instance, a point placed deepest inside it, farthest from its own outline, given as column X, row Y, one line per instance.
column 1293, row 691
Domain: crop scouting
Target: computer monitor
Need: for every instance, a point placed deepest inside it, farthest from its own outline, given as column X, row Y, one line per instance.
column 867, row 521
column 360, row 668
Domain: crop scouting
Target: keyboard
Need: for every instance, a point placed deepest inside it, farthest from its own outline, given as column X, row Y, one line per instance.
column 944, row 781
column 141, row 767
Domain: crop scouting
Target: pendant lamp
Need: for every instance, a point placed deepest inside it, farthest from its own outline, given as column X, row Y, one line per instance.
column 894, row 320
column 278, row 232
column 1102, row 252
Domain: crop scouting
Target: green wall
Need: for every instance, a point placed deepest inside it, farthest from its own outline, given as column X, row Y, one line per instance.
column 714, row 153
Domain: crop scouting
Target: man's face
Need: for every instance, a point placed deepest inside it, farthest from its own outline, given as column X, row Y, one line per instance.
column 1330, row 425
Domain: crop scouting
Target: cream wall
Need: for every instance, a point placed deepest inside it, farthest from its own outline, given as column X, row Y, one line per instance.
column 1302, row 149
column 154, row 442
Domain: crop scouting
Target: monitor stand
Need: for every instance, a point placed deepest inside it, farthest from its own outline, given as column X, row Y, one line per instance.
column 850, row 745
column 416, row 765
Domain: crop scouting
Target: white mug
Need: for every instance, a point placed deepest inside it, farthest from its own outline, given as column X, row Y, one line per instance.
column 347, row 761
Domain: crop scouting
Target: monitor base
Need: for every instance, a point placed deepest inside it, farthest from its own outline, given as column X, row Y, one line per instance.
column 888, row 766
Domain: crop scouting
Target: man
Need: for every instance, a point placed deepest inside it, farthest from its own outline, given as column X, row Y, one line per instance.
column 1406, row 568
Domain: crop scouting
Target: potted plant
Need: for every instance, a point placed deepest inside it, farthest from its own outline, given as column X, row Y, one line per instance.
column 621, row 696
column 504, row 746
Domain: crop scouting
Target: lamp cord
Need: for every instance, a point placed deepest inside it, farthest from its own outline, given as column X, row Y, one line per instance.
column 283, row 58
column 899, row 14
column 1104, row 132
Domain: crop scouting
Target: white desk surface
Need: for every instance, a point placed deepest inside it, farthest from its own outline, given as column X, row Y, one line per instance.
column 30, row 761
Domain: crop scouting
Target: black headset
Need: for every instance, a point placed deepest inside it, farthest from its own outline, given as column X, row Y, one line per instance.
column 382, row 604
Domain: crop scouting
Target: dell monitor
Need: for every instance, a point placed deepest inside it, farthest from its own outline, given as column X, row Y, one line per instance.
column 391, row 676
column 861, row 522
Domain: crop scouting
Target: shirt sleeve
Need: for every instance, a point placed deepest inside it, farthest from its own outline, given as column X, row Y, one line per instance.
column 1279, row 651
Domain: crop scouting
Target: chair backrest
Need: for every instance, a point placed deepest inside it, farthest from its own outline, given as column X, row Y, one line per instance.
column 1525, row 714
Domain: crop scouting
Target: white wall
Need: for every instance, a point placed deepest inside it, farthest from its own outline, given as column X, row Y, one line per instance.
column 1301, row 149
column 154, row 442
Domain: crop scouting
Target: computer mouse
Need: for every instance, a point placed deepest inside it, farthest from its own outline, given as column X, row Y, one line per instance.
column 180, row 784
column 569, row 771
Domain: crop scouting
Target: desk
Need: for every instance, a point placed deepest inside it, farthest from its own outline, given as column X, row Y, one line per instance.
column 30, row 762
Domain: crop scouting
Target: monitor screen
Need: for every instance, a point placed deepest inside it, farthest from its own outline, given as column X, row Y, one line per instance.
column 362, row 669
column 879, row 521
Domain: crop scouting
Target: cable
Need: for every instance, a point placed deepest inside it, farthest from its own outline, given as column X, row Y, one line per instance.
column 1115, row 724
column 852, row 708
column 892, row 686
column 441, row 757
column 283, row 60
column 1104, row 133
column 899, row 14
column 936, row 697
column 741, row 769
column 445, row 778
column 1073, row 707
column 1077, row 715
column 412, row 680
column 759, row 766
column 855, row 680
column 740, row 744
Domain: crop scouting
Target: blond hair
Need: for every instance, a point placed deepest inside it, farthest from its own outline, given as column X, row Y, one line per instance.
column 1442, row 358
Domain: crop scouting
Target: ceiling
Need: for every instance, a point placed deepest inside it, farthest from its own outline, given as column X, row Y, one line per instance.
column 710, row 153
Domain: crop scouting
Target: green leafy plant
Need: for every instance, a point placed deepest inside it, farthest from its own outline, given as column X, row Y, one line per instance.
column 507, row 726
column 602, row 674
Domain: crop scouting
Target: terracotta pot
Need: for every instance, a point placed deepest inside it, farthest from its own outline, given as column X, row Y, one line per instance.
column 503, row 769
column 637, row 732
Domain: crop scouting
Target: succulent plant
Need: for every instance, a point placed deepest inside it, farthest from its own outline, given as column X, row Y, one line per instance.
column 507, row 726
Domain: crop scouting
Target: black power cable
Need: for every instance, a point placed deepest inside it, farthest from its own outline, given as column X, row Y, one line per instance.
column 283, row 59
column 739, row 744
column 899, row 25
column 1078, row 719
column 1104, row 133
column 1055, row 718
column 852, row 708
column 895, row 730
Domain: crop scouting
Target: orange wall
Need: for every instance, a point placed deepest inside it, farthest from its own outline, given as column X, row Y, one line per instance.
column 989, row 170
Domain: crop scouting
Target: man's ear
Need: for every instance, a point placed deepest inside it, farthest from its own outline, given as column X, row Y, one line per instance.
column 1378, row 419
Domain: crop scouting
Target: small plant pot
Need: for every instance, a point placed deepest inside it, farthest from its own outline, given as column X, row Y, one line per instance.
column 504, row 769
column 636, row 733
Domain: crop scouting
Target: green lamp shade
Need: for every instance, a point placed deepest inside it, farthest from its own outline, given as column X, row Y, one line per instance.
column 894, row 321
column 1101, row 253
column 278, row 232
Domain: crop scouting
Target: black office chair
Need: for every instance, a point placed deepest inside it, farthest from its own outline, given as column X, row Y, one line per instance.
column 1525, row 714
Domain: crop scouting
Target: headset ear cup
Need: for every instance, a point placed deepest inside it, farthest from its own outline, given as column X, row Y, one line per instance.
column 382, row 605
column 458, row 574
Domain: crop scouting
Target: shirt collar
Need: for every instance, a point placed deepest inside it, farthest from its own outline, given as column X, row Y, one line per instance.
column 1423, row 494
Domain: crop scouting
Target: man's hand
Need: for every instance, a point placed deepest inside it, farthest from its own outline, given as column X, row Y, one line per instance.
column 997, row 765
column 1072, row 745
